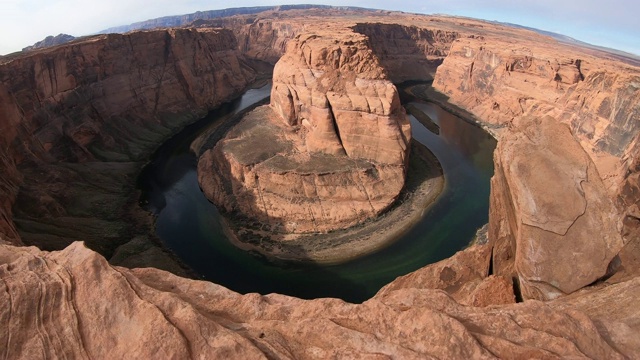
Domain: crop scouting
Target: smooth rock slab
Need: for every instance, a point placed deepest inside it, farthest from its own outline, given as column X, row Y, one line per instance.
column 56, row 306
column 551, row 217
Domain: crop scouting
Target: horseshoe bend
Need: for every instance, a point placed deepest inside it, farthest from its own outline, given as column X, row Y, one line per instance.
column 326, row 170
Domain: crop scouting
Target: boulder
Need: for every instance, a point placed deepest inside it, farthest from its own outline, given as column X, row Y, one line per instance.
column 551, row 218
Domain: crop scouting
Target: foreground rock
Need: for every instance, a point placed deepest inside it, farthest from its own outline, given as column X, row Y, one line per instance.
column 330, row 152
column 552, row 220
column 56, row 308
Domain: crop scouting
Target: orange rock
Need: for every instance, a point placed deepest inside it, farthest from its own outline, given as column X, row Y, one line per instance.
column 330, row 152
column 551, row 211
column 56, row 305
column 107, row 98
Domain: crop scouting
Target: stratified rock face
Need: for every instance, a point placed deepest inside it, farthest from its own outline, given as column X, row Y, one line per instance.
column 330, row 152
column 336, row 89
column 551, row 210
column 55, row 306
column 502, row 79
column 109, row 98
column 408, row 52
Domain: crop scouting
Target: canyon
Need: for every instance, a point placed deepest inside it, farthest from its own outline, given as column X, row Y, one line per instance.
column 555, row 276
column 330, row 152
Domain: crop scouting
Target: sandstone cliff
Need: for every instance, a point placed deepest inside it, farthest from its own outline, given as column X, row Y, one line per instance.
column 499, row 80
column 56, row 308
column 76, row 117
column 408, row 52
column 330, row 152
column 115, row 97
column 553, row 224
column 502, row 81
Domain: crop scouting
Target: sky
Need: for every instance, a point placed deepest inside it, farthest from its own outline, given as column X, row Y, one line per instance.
column 611, row 23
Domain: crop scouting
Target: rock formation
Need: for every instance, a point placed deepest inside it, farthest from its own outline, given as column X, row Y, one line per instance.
column 56, row 308
column 594, row 95
column 75, row 117
column 50, row 41
column 330, row 152
column 559, row 231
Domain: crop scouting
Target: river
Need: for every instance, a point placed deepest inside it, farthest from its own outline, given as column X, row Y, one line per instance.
column 189, row 225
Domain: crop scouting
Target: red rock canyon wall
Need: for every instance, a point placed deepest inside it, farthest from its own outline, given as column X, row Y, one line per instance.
column 111, row 98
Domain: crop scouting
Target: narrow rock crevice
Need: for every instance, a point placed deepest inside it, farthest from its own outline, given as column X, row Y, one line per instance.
column 335, row 125
column 516, row 289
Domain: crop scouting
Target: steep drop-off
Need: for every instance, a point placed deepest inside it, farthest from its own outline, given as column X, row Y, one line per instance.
column 504, row 80
column 115, row 97
column 76, row 118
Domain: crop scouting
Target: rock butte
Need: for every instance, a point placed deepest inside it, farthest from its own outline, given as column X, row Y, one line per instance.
column 330, row 152
column 564, row 215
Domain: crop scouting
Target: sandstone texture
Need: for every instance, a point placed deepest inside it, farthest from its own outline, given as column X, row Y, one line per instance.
column 503, row 80
column 78, row 119
column 560, row 231
column 330, row 152
column 56, row 308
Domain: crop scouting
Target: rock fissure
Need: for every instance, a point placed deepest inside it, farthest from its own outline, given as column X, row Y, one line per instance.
column 335, row 125
column 9, row 316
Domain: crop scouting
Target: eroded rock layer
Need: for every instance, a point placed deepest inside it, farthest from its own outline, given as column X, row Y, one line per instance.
column 330, row 152
column 76, row 118
column 552, row 220
column 55, row 307
column 116, row 96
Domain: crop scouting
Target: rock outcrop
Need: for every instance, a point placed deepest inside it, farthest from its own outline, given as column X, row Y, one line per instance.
column 330, row 152
column 504, row 80
column 56, row 308
column 551, row 218
column 76, row 118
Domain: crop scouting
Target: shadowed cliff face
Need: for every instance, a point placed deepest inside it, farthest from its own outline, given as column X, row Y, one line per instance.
column 109, row 99
column 408, row 52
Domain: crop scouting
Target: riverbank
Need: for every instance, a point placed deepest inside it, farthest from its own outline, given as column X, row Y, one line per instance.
column 425, row 182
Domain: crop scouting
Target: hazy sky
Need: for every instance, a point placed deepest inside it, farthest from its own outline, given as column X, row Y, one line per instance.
column 612, row 23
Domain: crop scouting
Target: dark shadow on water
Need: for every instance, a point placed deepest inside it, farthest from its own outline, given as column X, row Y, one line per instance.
column 190, row 225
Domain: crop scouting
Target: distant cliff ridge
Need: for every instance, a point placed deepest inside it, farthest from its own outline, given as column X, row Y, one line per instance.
column 180, row 20
column 50, row 41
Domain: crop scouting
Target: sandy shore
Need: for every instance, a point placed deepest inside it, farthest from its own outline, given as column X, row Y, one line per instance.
column 425, row 181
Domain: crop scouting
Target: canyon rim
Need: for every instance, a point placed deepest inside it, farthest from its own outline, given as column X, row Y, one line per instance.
column 557, row 275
